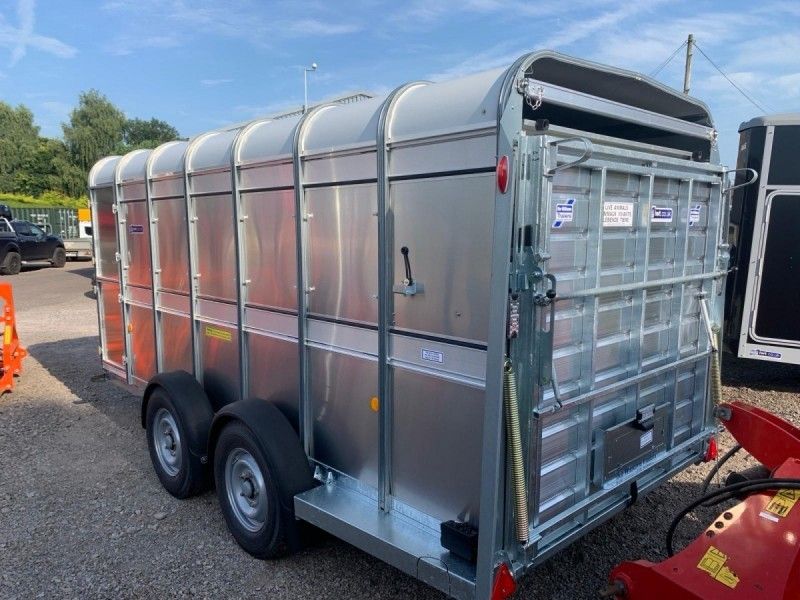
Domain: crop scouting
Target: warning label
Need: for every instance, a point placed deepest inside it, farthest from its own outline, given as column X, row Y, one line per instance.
column 713, row 563
column 783, row 502
column 218, row 334
column 617, row 214
column 694, row 215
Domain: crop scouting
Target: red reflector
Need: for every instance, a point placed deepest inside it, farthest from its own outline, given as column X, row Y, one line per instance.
column 504, row 584
column 502, row 174
column 712, row 451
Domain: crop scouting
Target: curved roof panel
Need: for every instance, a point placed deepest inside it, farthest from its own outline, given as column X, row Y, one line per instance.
column 102, row 173
column 167, row 159
column 132, row 165
column 266, row 140
column 211, row 150
column 343, row 126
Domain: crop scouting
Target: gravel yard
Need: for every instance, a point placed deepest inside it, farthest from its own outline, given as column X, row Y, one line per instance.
column 83, row 515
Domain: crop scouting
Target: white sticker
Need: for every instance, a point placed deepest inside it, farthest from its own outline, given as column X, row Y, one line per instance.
column 617, row 214
column 694, row 215
column 767, row 354
column 660, row 214
column 565, row 212
column 770, row 517
column 646, row 439
column 432, row 356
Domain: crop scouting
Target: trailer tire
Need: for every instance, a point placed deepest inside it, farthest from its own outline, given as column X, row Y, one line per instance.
column 177, row 423
column 12, row 264
column 59, row 258
column 259, row 467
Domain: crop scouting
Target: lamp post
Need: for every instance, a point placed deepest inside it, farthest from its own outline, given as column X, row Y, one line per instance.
column 306, row 71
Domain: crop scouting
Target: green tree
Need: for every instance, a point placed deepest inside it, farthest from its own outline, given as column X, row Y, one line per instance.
column 95, row 129
column 139, row 133
column 18, row 140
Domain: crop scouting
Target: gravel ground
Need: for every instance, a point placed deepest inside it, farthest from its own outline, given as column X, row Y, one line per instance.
column 83, row 515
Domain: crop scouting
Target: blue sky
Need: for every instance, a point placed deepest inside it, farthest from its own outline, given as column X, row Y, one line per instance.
column 200, row 64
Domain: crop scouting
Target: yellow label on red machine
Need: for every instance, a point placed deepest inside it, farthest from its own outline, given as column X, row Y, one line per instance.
column 783, row 502
column 218, row 334
column 7, row 335
column 713, row 563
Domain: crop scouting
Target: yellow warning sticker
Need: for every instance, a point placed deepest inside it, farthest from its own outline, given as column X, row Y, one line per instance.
column 218, row 334
column 7, row 335
column 713, row 563
column 783, row 502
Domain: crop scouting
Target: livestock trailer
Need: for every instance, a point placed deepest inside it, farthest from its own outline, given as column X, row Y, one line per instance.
column 457, row 327
column 764, row 289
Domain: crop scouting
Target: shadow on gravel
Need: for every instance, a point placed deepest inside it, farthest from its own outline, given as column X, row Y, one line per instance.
column 87, row 272
column 760, row 375
column 75, row 363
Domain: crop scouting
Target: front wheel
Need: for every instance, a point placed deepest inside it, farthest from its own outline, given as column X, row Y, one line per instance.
column 181, row 473
column 12, row 264
column 248, row 493
column 59, row 258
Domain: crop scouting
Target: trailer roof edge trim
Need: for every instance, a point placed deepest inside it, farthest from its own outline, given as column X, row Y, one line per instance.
column 773, row 119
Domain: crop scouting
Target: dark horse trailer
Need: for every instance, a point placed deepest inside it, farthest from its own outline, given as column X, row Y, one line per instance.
column 763, row 290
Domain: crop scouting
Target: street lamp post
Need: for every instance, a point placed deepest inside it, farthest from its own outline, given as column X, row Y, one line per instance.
column 306, row 71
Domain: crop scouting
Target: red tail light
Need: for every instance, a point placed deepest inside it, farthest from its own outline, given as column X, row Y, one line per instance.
column 502, row 174
column 712, row 451
column 504, row 584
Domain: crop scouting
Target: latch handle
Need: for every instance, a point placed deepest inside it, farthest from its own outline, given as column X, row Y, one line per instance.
column 587, row 154
column 408, row 287
column 752, row 180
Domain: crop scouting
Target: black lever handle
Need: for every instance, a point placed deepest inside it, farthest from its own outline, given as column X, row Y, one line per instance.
column 409, row 279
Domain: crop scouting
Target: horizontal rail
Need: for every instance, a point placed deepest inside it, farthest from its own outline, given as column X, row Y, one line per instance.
column 613, row 387
column 641, row 285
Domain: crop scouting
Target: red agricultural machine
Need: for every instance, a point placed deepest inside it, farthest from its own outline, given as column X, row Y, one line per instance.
column 751, row 550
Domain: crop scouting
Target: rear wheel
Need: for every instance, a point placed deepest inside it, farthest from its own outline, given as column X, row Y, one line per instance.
column 59, row 258
column 12, row 264
column 248, row 493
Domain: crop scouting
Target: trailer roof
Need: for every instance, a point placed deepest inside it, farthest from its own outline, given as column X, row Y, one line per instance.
column 425, row 109
column 167, row 159
column 776, row 119
column 132, row 166
column 102, row 173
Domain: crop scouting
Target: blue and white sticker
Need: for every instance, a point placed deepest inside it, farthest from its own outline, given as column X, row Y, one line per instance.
column 660, row 214
column 565, row 212
column 694, row 215
column 767, row 354
column 432, row 356
column 135, row 228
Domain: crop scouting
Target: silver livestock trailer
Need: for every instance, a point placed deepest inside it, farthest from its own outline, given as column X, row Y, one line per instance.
column 457, row 327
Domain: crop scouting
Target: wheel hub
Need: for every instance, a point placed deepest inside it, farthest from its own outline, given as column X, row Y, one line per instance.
column 246, row 489
column 167, row 442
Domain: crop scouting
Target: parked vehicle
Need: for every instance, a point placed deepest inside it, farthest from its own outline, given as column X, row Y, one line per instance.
column 457, row 327
column 764, row 289
column 80, row 246
column 23, row 242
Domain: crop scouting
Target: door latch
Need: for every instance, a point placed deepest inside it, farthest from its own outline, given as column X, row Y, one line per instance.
column 409, row 287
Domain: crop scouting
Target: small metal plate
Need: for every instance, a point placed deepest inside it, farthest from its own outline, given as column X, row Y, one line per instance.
column 621, row 449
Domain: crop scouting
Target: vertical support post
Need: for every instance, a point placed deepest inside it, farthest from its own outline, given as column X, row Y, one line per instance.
column 122, row 263
column 687, row 73
column 192, row 255
column 385, row 298
column 241, row 280
column 155, row 271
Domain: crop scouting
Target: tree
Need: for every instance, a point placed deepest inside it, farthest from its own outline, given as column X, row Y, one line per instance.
column 139, row 133
column 18, row 140
column 96, row 129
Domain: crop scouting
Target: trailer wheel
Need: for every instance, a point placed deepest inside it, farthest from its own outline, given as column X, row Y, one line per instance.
column 248, row 493
column 12, row 264
column 59, row 258
column 169, row 439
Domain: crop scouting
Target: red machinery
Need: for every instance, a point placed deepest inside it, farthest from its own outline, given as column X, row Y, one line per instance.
column 13, row 352
column 750, row 551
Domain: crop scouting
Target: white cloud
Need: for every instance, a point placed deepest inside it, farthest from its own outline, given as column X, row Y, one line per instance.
column 19, row 39
column 317, row 27
column 214, row 82
column 127, row 44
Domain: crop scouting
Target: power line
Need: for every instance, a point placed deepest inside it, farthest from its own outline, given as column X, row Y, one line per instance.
column 669, row 60
column 740, row 90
